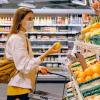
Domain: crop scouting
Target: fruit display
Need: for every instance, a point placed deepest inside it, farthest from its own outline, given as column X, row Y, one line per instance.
column 88, row 33
column 88, row 79
column 93, row 71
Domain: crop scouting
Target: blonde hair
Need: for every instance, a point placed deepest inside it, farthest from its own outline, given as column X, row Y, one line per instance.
column 17, row 18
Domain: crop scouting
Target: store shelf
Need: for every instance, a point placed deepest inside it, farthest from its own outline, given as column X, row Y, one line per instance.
column 38, row 47
column 51, row 11
column 52, row 62
column 60, row 25
column 48, row 25
column 44, row 47
column 51, row 40
column 59, row 54
column 2, row 54
column 49, row 33
column 3, row 40
column 5, row 24
column 4, row 32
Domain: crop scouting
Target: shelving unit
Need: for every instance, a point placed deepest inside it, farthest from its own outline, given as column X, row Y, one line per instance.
column 89, row 88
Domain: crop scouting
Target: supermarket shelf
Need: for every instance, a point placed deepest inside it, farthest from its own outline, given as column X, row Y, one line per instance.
column 61, row 25
column 3, row 40
column 5, row 24
column 38, row 47
column 2, row 54
column 48, row 25
column 51, row 11
column 51, row 54
column 4, row 32
column 44, row 47
column 50, row 40
column 70, row 32
column 52, row 62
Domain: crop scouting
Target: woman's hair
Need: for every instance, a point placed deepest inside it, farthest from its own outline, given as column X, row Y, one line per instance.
column 18, row 17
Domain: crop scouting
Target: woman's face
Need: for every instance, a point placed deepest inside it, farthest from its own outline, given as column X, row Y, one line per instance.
column 25, row 22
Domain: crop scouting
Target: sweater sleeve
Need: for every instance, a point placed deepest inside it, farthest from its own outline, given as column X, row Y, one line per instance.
column 23, row 62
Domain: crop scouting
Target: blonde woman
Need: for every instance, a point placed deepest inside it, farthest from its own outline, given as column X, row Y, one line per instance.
column 19, row 50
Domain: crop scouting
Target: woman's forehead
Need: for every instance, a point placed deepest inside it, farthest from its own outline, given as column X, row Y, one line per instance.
column 30, row 14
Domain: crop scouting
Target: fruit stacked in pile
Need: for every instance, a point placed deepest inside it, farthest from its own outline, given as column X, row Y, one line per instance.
column 91, row 33
column 78, row 70
column 89, row 79
column 89, row 73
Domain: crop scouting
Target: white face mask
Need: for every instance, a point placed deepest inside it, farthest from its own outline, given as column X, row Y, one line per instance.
column 29, row 25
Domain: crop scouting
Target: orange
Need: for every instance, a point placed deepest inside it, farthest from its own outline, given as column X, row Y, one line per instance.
column 76, row 73
column 96, row 68
column 80, row 80
column 81, row 75
column 88, row 78
column 88, row 71
column 95, row 75
column 57, row 45
column 85, row 30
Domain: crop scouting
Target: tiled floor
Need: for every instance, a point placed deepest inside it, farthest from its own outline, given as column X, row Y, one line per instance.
column 3, row 91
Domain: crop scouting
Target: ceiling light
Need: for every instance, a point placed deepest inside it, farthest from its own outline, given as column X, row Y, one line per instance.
column 26, row 5
column 3, row 1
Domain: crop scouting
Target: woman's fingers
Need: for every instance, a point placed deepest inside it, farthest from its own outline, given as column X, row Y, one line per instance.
column 43, row 70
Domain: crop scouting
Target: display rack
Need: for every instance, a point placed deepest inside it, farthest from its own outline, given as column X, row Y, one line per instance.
column 86, row 49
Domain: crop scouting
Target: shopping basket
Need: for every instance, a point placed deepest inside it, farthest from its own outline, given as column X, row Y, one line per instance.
column 44, row 95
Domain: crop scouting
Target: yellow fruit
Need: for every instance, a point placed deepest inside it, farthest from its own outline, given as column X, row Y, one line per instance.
column 88, row 71
column 80, row 80
column 95, row 75
column 85, row 30
column 96, row 68
column 87, row 36
column 81, row 75
column 57, row 45
column 82, row 36
column 95, row 25
column 97, row 97
column 88, row 78
column 76, row 73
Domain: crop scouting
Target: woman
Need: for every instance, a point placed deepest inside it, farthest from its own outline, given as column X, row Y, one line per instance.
column 19, row 50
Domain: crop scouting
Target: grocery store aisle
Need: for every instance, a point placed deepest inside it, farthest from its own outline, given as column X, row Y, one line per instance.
column 3, row 91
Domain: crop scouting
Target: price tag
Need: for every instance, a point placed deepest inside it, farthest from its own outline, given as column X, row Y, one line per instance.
column 82, row 61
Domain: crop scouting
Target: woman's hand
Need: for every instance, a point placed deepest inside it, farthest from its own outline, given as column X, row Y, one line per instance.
column 52, row 51
column 43, row 70
column 55, row 48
